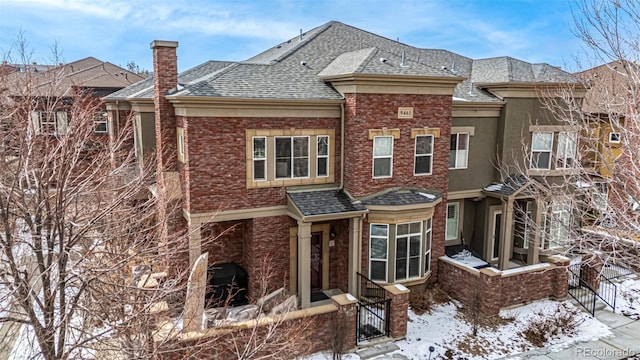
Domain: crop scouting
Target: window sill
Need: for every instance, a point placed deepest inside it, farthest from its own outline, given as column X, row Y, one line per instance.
column 409, row 282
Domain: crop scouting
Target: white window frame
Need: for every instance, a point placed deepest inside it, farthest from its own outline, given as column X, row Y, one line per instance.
column 540, row 150
column 428, row 155
column 100, row 118
column 48, row 122
column 528, row 223
column 559, row 222
column 257, row 158
column 567, row 149
column 384, row 260
column 319, row 156
column 382, row 157
column 292, row 157
column 460, row 156
column 615, row 137
column 455, row 219
column 409, row 257
column 600, row 196
column 428, row 236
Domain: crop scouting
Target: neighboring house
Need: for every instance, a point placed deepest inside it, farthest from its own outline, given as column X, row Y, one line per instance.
column 610, row 145
column 56, row 86
column 341, row 152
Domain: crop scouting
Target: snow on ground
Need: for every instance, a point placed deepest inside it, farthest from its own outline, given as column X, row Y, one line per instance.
column 628, row 299
column 466, row 257
column 446, row 330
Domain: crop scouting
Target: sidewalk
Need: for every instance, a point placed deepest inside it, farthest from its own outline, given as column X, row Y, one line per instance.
column 624, row 343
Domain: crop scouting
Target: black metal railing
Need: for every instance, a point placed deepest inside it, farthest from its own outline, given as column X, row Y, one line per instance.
column 607, row 291
column 581, row 291
column 598, row 281
column 373, row 311
column 369, row 291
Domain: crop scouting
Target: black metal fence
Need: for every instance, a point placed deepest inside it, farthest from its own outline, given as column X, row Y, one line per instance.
column 581, row 291
column 373, row 310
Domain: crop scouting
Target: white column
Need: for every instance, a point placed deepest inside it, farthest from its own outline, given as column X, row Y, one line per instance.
column 195, row 242
column 355, row 253
column 304, row 264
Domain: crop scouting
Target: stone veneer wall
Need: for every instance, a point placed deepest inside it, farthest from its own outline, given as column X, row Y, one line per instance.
column 497, row 289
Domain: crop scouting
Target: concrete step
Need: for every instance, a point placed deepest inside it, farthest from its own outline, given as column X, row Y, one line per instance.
column 377, row 350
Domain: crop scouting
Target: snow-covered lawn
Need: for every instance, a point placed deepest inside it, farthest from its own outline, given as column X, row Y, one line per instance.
column 628, row 299
column 446, row 329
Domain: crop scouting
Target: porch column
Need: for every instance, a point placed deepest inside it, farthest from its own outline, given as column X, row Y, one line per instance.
column 195, row 242
column 533, row 252
column 506, row 243
column 304, row 264
column 355, row 253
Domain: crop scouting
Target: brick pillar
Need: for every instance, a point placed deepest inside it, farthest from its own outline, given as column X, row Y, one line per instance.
column 489, row 285
column 590, row 271
column 165, row 78
column 399, row 296
column 347, row 314
column 560, row 287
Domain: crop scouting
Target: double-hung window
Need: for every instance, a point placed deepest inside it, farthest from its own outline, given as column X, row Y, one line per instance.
column 259, row 158
column 566, row 153
column 100, row 122
column 427, row 245
column 408, row 242
column 48, row 122
column 452, row 221
column 559, row 222
column 423, row 159
column 292, row 157
column 541, row 147
column 378, row 252
column 459, row 151
column 382, row 156
column 322, row 156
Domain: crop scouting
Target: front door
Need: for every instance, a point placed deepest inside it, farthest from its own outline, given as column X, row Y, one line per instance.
column 495, row 235
column 316, row 261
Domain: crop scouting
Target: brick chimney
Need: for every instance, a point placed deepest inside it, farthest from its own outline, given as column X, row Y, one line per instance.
column 165, row 78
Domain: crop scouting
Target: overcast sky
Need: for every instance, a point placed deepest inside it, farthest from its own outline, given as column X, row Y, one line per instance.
column 120, row 31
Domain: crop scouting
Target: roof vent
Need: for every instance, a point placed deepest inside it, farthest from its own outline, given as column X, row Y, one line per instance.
column 303, row 63
column 402, row 64
column 383, row 60
column 444, row 67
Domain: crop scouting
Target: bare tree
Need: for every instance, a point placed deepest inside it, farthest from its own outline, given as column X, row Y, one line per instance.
column 85, row 258
column 603, row 187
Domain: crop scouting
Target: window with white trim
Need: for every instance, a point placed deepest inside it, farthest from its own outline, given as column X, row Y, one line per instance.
column 259, row 150
column 378, row 252
column 100, row 122
column 399, row 252
column 452, row 221
column 600, row 196
column 427, row 244
column 423, row 156
column 558, row 224
column 292, row 157
column 459, row 151
column 541, row 148
column 382, row 156
column 566, row 152
column 614, row 137
column 50, row 122
column 408, row 242
column 322, row 156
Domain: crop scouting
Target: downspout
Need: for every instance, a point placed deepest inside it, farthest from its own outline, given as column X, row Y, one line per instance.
column 341, row 145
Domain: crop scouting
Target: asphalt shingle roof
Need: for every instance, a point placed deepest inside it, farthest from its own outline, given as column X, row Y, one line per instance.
column 509, row 186
column 322, row 202
column 403, row 196
column 293, row 69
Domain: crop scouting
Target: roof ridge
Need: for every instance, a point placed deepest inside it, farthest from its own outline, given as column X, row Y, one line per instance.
column 305, row 41
column 212, row 74
column 363, row 64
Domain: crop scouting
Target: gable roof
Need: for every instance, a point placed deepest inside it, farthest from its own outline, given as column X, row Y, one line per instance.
column 294, row 69
column 61, row 80
column 608, row 88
